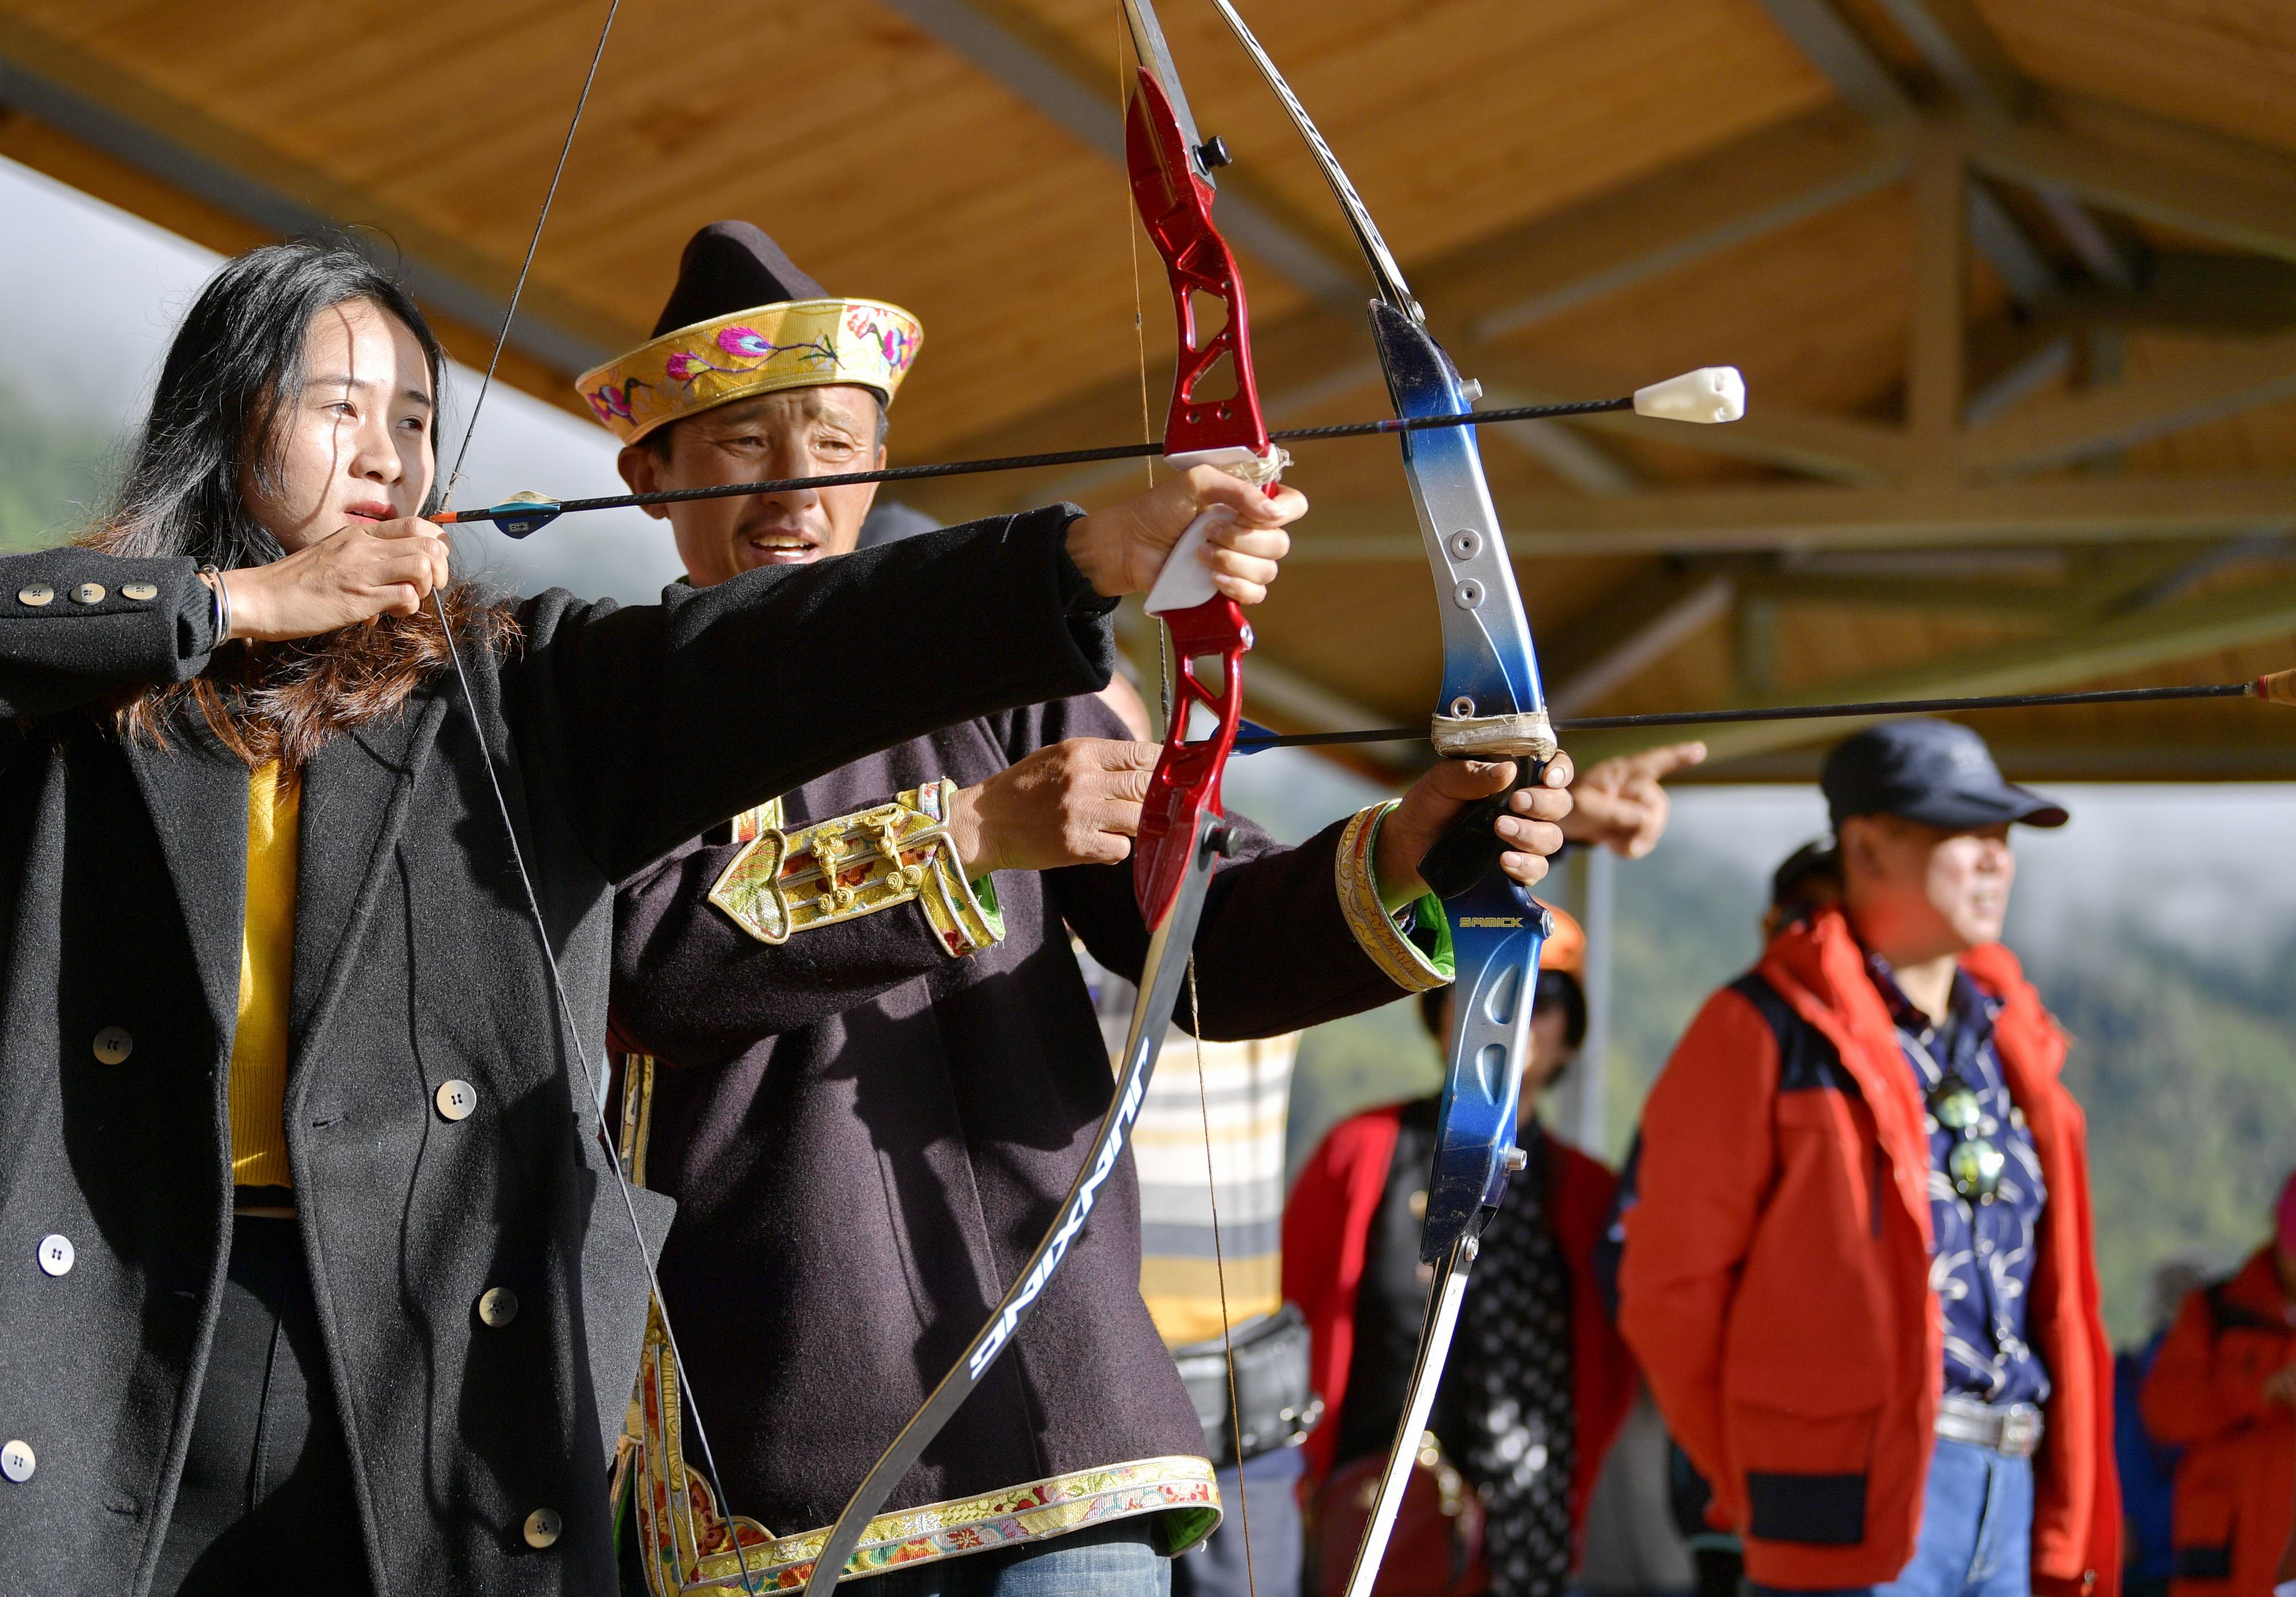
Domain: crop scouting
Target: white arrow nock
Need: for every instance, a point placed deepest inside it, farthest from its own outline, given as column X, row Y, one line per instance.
column 1709, row 394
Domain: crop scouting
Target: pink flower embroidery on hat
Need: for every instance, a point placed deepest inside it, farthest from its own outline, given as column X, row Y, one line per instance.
column 611, row 399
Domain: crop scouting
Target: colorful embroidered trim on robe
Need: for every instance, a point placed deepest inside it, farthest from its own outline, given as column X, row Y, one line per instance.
column 852, row 865
column 687, row 1545
column 1375, row 930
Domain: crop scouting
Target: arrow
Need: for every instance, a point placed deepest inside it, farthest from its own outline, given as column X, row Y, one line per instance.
column 2279, row 687
column 1709, row 394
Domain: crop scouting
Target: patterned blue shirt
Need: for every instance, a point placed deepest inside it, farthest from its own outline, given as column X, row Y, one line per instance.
column 1982, row 1252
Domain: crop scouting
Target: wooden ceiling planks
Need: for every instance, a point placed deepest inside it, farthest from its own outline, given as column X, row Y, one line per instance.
column 2230, row 65
column 890, row 166
column 694, row 117
column 1456, row 118
column 1815, row 315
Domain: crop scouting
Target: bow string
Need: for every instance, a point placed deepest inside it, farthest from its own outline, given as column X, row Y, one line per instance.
column 592, row 1081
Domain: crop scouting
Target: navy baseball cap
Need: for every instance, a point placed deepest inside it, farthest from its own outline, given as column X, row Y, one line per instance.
column 1935, row 772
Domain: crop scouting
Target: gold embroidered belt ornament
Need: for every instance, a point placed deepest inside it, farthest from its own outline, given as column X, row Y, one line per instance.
column 782, row 883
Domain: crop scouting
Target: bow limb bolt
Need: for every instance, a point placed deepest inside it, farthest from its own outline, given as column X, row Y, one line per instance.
column 1183, row 834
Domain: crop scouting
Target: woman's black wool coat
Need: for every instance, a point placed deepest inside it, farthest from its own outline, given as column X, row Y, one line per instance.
column 620, row 734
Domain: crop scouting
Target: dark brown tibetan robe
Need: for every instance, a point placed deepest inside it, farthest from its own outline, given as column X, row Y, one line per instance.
column 868, row 1137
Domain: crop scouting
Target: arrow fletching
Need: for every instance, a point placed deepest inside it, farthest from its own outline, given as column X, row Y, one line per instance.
column 525, row 512
column 1709, row 393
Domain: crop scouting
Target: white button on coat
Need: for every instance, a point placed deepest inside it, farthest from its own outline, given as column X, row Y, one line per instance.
column 456, row 1099
column 542, row 1528
column 497, row 1307
column 56, row 1254
column 16, row 1460
column 113, row 1044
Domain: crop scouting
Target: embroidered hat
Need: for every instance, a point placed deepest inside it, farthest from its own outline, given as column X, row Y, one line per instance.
column 744, row 321
column 1936, row 772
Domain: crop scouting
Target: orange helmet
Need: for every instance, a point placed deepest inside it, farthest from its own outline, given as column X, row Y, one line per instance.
column 1565, row 948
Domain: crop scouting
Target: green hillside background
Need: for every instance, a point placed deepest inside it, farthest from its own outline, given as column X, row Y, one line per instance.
column 55, row 471
column 2187, row 1063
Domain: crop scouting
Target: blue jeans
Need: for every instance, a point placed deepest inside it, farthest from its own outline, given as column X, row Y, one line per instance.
column 1109, row 1560
column 1976, row 1530
column 1269, row 1490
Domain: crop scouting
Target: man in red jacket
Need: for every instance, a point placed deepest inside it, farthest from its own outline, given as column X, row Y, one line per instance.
column 1538, row 1380
column 2223, row 1388
column 1859, row 1272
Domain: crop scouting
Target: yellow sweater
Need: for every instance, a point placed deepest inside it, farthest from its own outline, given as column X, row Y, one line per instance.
column 267, row 968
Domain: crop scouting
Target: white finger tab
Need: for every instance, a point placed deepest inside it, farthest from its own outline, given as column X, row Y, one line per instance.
column 1185, row 582
column 1709, row 394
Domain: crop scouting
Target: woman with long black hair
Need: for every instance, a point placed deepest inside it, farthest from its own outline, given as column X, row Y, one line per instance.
column 313, row 1274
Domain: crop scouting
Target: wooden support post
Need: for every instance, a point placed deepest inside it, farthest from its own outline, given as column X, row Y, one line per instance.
column 1935, row 367
column 1756, row 652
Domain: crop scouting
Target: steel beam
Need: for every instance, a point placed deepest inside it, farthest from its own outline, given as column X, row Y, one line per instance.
column 1716, row 201
column 1976, row 599
column 1835, row 49
column 1035, row 70
column 1840, row 449
column 1621, row 637
column 2247, row 200
column 2226, row 381
column 2114, row 648
column 1963, row 50
column 1865, row 82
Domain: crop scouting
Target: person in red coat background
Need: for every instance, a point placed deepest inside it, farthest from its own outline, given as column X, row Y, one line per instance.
column 1537, row 1380
column 2223, row 1388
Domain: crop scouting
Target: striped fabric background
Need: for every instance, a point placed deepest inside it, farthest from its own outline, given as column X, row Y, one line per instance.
column 1244, row 1089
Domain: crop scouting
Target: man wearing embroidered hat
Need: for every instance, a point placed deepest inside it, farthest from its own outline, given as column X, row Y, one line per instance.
column 864, row 1060
column 1538, row 1380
